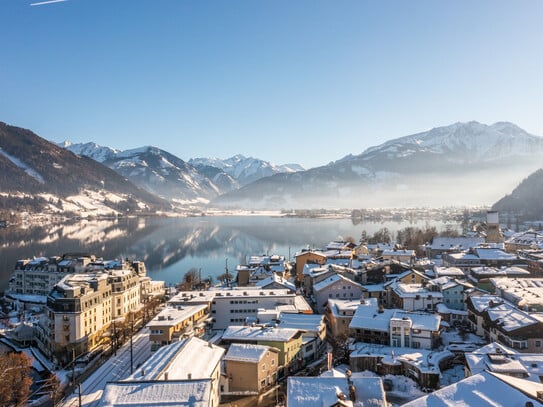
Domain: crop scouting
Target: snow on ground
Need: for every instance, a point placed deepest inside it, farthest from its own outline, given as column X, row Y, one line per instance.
column 29, row 170
column 454, row 336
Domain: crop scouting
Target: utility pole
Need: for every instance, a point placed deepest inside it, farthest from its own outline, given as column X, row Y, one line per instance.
column 114, row 339
column 131, row 350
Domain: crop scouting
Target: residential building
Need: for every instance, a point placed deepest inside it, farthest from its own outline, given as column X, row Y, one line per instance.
column 39, row 275
column 336, row 287
column 251, row 368
column 413, row 297
column 171, row 324
column 527, row 240
column 502, row 322
column 485, row 389
column 481, row 276
column 441, row 245
column 78, row 316
column 237, row 306
column 335, row 392
column 338, row 315
column 524, row 293
column 451, row 290
column 397, row 328
column 313, row 336
column 287, row 340
column 183, row 373
column 401, row 255
column 307, row 257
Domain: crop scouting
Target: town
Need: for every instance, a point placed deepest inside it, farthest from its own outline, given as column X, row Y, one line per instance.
column 354, row 323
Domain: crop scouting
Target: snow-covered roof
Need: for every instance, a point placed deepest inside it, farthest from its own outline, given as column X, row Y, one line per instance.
column 324, row 391
column 321, row 285
column 443, row 309
column 493, row 254
column 412, row 290
column 420, row 320
column 425, row 360
column 306, row 322
column 275, row 278
column 244, row 352
column 510, row 318
column 522, row 291
column 396, row 252
column 482, row 302
column 367, row 316
column 249, row 333
column 174, row 316
column 483, row 389
column 451, row 243
column 528, row 238
column 193, row 393
column 449, row 271
column 337, row 306
column 193, row 356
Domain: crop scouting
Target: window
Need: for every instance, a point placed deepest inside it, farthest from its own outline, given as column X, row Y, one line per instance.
column 537, row 344
column 263, row 367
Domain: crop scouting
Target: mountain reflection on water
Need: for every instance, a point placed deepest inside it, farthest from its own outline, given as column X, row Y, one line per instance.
column 171, row 246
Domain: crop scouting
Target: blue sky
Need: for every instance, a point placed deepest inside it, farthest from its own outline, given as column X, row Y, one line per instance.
column 286, row 81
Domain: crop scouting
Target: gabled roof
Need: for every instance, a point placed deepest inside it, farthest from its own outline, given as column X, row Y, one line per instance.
column 324, row 391
column 321, row 285
column 186, row 393
column 483, row 389
column 305, row 322
column 192, row 356
column 245, row 352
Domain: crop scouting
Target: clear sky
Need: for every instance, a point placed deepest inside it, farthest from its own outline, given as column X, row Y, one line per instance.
column 283, row 80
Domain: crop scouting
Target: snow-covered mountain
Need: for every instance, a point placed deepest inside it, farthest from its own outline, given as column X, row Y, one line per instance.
column 163, row 174
column 39, row 176
column 91, row 150
column 245, row 169
column 461, row 164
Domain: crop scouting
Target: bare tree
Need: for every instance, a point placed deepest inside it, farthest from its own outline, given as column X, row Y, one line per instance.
column 15, row 379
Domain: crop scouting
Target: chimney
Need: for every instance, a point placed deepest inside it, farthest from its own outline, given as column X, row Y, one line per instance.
column 166, row 376
column 189, row 376
column 142, row 372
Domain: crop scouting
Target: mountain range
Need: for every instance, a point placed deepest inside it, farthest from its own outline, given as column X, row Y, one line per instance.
column 460, row 164
column 171, row 178
column 37, row 175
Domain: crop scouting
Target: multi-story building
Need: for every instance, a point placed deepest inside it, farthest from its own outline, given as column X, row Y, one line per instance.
column 79, row 313
column 38, row 276
column 171, row 324
column 308, row 257
column 237, row 306
column 395, row 327
column 185, row 373
column 413, row 297
column 338, row 315
column 500, row 321
column 336, row 287
column 85, row 310
column 250, row 368
column 287, row 340
column 314, row 332
column 525, row 293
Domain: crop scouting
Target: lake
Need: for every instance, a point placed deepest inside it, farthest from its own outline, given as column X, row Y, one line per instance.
column 172, row 246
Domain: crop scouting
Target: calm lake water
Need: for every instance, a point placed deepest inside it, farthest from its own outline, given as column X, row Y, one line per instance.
column 172, row 246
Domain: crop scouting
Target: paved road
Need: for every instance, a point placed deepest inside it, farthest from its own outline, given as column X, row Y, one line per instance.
column 115, row 368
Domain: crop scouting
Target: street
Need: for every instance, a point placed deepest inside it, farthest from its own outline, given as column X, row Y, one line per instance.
column 114, row 369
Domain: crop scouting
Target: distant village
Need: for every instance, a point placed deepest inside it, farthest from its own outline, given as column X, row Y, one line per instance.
column 353, row 323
